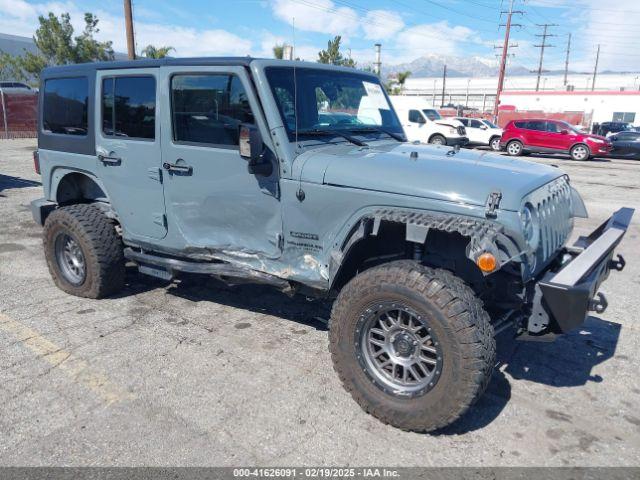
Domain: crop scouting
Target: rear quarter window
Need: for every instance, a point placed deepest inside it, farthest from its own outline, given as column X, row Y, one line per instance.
column 65, row 106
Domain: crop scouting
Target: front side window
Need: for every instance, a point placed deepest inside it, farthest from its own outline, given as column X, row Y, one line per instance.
column 65, row 107
column 318, row 100
column 553, row 127
column 209, row 108
column 489, row 124
column 432, row 114
column 476, row 124
column 129, row 107
column 415, row 116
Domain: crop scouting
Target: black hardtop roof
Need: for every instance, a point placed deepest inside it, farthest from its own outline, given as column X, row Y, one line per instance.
column 79, row 68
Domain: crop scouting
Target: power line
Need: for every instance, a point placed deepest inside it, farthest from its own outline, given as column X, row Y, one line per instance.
column 542, row 46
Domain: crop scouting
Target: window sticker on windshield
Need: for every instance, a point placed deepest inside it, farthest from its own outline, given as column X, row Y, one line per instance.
column 376, row 95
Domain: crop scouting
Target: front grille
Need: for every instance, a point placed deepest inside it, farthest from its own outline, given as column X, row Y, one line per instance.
column 553, row 204
column 462, row 131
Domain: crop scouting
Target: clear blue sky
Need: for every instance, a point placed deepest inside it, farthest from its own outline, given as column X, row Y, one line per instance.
column 407, row 29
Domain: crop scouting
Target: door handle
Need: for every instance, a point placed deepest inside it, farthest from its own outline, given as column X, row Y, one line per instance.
column 106, row 160
column 182, row 169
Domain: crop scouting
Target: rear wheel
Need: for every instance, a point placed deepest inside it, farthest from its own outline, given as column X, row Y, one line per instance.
column 412, row 345
column 84, row 253
column 514, row 148
column 494, row 143
column 580, row 152
column 438, row 140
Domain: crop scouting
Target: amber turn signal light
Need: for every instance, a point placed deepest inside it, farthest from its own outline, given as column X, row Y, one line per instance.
column 487, row 262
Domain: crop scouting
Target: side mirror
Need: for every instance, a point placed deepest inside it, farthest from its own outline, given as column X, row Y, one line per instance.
column 253, row 150
column 564, row 132
column 250, row 143
column 483, row 127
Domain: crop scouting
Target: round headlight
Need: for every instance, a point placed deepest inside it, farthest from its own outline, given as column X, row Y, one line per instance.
column 528, row 221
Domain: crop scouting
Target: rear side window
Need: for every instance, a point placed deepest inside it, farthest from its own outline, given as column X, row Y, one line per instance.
column 65, row 106
column 129, row 107
column 209, row 109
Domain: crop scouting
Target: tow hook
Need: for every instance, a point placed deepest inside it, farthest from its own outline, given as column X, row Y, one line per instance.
column 617, row 264
column 598, row 303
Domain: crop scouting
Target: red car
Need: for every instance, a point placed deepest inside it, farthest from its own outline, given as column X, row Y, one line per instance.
column 552, row 136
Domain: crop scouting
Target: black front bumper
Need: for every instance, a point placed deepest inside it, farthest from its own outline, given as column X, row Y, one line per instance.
column 453, row 141
column 564, row 297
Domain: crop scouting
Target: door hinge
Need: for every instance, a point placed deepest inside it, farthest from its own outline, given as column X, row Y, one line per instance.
column 493, row 202
column 160, row 219
column 155, row 174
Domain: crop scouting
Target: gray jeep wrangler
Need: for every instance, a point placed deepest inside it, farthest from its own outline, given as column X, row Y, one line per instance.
column 298, row 175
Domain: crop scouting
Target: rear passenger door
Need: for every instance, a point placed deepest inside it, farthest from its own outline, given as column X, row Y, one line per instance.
column 536, row 135
column 128, row 149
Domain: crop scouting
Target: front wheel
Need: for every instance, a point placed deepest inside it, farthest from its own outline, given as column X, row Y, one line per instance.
column 580, row 152
column 438, row 140
column 412, row 345
column 494, row 143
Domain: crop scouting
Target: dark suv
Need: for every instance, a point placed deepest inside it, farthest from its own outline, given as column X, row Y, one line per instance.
column 552, row 136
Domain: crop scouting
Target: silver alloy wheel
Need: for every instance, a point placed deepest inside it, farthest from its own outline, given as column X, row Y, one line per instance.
column 70, row 259
column 495, row 144
column 437, row 140
column 514, row 148
column 579, row 152
column 398, row 349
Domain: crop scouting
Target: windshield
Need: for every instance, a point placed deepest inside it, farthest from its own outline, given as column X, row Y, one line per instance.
column 330, row 100
column 489, row 124
column 432, row 114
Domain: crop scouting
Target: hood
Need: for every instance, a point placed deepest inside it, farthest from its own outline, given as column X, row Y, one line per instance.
column 449, row 122
column 466, row 177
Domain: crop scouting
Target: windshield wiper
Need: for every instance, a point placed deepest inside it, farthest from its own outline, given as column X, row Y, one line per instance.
column 325, row 133
column 396, row 136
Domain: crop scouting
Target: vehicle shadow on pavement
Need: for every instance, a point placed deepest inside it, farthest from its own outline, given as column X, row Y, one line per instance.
column 7, row 182
column 567, row 362
column 255, row 298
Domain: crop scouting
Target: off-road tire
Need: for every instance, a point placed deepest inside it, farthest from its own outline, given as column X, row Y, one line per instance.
column 457, row 316
column 438, row 139
column 101, row 246
column 514, row 148
column 582, row 148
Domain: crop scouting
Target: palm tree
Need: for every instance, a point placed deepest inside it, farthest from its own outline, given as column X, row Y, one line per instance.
column 278, row 51
column 156, row 52
column 402, row 77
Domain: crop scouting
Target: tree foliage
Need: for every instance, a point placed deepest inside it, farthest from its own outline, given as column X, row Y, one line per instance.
column 151, row 51
column 57, row 45
column 278, row 51
column 9, row 68
column 333, row 56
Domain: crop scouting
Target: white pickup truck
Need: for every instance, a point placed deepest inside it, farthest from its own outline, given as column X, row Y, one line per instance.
column 424, row 124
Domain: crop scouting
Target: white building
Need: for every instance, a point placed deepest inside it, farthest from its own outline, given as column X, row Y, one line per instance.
column 616, row 97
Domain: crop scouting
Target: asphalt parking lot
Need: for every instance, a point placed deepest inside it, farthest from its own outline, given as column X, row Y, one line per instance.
column 199, row 373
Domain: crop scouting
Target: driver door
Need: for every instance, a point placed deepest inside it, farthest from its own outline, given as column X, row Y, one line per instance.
column 212, row 201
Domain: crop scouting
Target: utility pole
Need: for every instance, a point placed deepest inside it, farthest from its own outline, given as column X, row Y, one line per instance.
column 595, row 70
column 503, row 60
column 378, row 63
column 566, row 61
column 128, row 23
column 444, row 83
column 542, row 46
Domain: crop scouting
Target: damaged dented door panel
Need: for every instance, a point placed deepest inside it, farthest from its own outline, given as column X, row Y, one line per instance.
column 128, row 153
column 213, row 201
